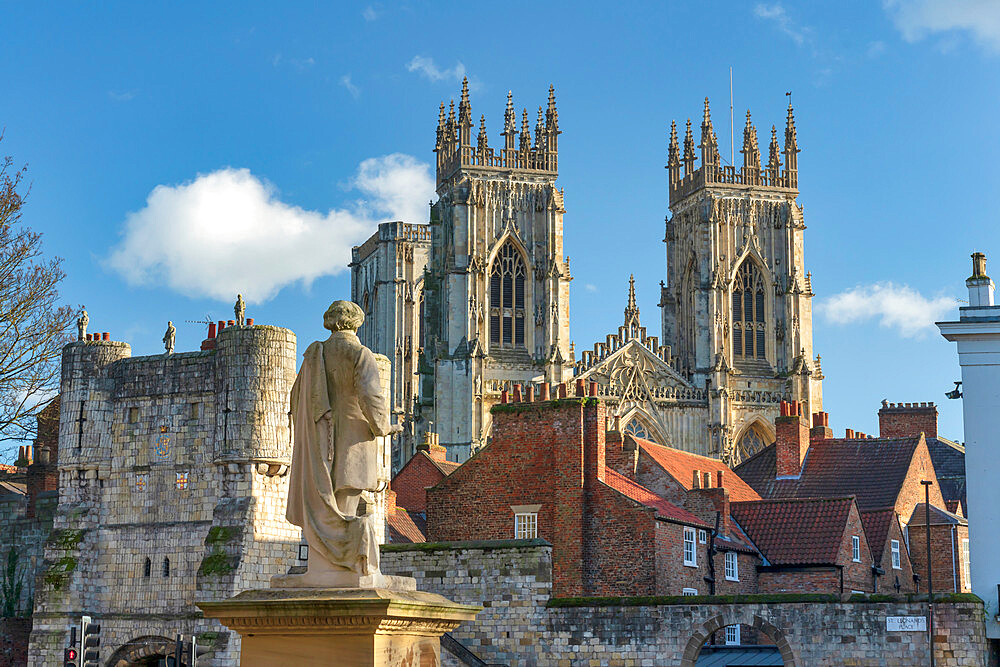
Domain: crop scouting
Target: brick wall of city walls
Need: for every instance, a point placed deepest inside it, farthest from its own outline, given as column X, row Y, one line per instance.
column 512, row 580
column 946, row 554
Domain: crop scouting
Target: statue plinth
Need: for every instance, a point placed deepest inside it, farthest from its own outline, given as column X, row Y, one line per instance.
column 346, row 627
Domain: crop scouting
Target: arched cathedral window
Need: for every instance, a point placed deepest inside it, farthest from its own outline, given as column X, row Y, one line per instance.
column 751, row 442
column 635, row 428
column 748, row 313
column 507, row 298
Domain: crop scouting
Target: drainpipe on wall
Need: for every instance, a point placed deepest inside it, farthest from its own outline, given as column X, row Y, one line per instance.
column 954, row 572
column 711, row 556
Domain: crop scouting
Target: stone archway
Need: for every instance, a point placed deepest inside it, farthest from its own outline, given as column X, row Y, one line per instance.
column 698, row 639
column 141, row 651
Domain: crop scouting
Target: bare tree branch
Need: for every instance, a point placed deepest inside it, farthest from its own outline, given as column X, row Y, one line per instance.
column 33, row 325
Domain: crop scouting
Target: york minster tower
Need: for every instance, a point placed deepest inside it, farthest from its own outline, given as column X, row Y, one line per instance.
column 496, row 291
column 737, row 305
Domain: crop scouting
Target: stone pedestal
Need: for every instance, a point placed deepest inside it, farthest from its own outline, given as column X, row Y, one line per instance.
column 339, row 627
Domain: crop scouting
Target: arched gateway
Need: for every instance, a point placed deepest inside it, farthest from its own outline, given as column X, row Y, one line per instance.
column 149, row 650
column 712, row 625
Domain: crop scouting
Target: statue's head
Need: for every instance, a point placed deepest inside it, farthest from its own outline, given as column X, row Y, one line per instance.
column 343, row 316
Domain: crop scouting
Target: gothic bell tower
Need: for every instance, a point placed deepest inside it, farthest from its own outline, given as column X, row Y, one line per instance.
column 737, row 306
column 497, row 284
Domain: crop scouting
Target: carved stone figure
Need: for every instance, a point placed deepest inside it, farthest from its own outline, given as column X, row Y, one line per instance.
column 81, row 324
column 168, row 337
column 339, row 413
column 241, row 310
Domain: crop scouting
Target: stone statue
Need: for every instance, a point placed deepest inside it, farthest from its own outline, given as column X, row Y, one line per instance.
column 241, row 310
column 168, row 337
column 81, row 324
column 340, row 417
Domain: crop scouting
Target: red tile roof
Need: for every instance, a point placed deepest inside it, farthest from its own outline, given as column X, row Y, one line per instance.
column 939, row 517
column 806, row 531
column 405, row 527
column 872, row 469
column 681, row 466
column 641, row 494
column 877, row 524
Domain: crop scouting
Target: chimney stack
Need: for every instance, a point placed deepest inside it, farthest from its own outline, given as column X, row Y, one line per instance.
column 907, row 420
column 820, row 427
column 791, row 440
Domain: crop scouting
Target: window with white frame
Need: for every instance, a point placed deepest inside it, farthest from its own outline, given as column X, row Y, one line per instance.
column 732, row 635
column 856, row 548
column 690, row 553
column 526, row 525
column 689, row 591
column 732, row 566
column 964, row 554
column 702, row 537
column 896, row 563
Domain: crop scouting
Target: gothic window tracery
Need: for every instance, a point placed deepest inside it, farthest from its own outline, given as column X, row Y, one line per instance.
column 507, row 298
column 748, row 313
column 751, row 442
column 635, row 428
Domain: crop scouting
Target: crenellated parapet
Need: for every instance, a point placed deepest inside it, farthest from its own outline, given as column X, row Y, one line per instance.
column 686, row 177
column 520, row 151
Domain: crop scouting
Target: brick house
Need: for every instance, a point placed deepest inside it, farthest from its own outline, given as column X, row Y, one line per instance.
column 893, row 571
column 403, row 526
column 428, row 466
column 804, row 463
column 949, row 549
column 545, row 474
column 909, row 420
column 811, row 545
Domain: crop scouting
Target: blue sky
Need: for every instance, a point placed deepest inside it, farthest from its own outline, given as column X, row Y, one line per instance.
column 181, row 153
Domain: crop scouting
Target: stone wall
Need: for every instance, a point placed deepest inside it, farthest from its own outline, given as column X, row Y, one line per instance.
column 520, row 625
column 172, row 486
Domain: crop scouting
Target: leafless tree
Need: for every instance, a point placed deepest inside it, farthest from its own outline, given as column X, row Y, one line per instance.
column 33, row 325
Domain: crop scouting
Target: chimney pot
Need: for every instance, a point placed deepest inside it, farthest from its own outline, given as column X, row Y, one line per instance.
column 593, row 389
column 580, row 391
column 503, row 396
column 222, row 325
column 249, row 321
column 517, row 393
column 562, row 390
column 531, row 393
column 544, row 392
column 696, row 480
column 211, row 329
column 107, row 336
column 718, row 479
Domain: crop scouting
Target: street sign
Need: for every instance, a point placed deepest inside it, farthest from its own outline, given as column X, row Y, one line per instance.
column 906, row 623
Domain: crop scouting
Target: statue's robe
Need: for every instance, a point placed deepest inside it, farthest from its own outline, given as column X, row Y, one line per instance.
column 338, row 409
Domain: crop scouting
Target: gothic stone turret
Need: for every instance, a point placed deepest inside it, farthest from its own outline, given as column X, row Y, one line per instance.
column 497, row 285
column 737, row 306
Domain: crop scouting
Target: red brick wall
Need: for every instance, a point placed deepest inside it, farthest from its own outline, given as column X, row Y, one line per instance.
column 912, row 491
column 806, row 580
column 791, row 438
column 945, row 563
column 619, row 546
column 857, row 576
column 886, row 583
column 907, row 420
column 411, row 482
column 672, row 576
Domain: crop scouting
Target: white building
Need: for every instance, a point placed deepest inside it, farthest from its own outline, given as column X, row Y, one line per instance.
column 977, row 333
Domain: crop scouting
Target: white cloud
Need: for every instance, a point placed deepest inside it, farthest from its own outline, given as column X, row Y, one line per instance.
column 228, row 231
column 590, row 287
column 917, row 19
column 777, row 14
column 346, row 82
column 369, row 13
column 122, row 95
column 897, row 307
column 432, row 72
column 875, row 49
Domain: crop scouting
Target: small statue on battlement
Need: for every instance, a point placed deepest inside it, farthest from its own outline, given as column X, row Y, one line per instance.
column 81, row 323
column 241, row 310
column 168, row 337
column 340, row 418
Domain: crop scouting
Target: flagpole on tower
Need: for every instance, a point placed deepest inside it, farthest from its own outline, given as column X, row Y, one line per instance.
column 732, row 140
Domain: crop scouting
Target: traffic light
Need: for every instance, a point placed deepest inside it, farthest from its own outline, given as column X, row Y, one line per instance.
column 185, row 653
column 90, row 648
column 71, row 653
